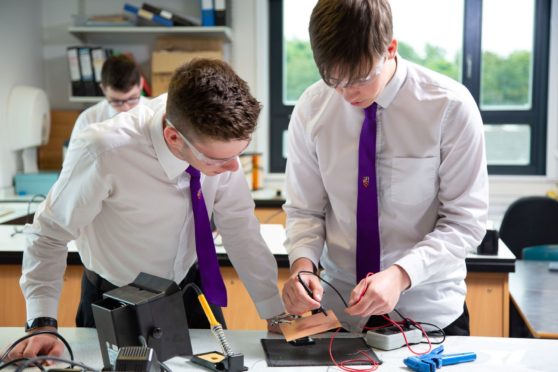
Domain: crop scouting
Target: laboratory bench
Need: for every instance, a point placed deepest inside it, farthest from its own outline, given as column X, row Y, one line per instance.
column 487, row 284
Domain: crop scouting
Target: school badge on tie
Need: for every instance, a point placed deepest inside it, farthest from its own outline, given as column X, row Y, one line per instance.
column 199, row 195
column 365, row 181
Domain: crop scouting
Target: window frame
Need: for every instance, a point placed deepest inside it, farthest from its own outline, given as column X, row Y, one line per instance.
column 536, row 117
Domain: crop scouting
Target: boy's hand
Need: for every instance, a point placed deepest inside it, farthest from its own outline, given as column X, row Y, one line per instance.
column 295, row 297
column 38, row 345
column 379, row 293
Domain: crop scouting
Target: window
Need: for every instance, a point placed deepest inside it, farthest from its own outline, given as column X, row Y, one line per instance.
column 502, row 60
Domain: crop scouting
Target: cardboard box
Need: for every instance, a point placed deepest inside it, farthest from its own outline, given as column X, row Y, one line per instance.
column 164, row 62
column 186, row 44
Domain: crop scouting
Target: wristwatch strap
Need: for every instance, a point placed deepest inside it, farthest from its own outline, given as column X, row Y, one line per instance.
column 40, row 322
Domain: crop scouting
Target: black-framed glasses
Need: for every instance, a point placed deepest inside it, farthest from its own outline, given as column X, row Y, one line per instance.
column 121, row 102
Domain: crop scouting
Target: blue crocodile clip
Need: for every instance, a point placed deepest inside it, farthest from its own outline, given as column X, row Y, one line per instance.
column 433, row 360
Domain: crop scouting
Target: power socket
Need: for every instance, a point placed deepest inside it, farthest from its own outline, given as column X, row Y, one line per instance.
column 390, row 338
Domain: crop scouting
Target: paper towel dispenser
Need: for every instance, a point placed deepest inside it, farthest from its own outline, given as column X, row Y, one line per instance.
column 28, row 117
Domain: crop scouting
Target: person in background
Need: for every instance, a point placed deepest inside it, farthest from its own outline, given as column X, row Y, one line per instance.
column 386, row 180
column 136, row 193
column 121, row 84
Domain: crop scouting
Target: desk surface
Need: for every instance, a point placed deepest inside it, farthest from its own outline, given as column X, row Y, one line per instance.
column 14, row 210
column 493, row 353
column 534, row 289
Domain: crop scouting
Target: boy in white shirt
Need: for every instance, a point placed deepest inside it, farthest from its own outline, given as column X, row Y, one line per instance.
column 387, row 186
column 121, row 84
column 136, row 193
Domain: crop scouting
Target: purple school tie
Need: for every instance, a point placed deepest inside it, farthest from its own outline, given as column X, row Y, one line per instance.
column 368, row 234
column 211, row 279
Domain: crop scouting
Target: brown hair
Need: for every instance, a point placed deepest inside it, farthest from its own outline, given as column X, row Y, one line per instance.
column 120, row 73
column 349, row 36
column 208, row 98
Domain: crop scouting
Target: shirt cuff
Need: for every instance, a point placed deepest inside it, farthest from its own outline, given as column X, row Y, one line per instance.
column 304, row 252
column 271, row 307
column 409, row 264
column 38, row 307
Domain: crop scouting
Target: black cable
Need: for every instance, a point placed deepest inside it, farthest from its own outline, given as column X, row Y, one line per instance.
column 438, row 332
column 143, row 343
column 19, row 231
column 165, row 367
column 16, row 342
column 408, row 322
column 194, row 286
column 11, row 362
column 326, row 282
column 26, row 364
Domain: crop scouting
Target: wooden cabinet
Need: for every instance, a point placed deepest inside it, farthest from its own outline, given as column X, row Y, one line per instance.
column 487, row 295
column 488, row 301
column 240, row 314
column 13, row 313
column 50, row 154
column 271, row 215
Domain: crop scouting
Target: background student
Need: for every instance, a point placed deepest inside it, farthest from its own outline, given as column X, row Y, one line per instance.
column 121, row 83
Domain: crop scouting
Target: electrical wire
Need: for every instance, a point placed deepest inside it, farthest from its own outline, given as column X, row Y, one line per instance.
column 27, row 363
column 16, row 342
column 326, row 282
column 15, row 361
column 344, row 364
column 164, row 367
column 216, row 327
column 407, row 322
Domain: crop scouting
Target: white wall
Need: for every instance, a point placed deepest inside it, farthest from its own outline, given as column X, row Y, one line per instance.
column 21, row 64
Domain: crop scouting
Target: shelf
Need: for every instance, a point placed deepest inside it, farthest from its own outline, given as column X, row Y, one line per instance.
column 86, row 99
column 221, row 32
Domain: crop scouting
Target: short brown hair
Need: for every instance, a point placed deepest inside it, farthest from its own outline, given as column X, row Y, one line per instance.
column 349, row 36
column 207, row 97
column 120, row 73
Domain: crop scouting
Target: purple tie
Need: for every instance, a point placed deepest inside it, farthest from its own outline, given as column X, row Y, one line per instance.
column 368, row 234
column 211, row 279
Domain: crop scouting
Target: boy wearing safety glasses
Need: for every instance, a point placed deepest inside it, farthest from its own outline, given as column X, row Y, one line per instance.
column 136, row 193
column 386, row 178
column 121, row 85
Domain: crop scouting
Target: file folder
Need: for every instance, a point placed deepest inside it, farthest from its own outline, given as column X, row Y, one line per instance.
column 176, row 19
column 222, row 12
column 77, row 88
column 207, row 13
column 86, row 68
column 147, row 15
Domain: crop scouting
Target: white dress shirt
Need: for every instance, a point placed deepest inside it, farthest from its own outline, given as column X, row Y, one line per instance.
column 97, row 113
column 125, row 199
column 432, row 188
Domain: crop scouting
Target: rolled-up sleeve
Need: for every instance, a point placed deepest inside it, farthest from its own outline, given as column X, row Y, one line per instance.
column 245, row 246
column 72, row 203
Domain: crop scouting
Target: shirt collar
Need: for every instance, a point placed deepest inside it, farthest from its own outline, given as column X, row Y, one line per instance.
column 392, row 87
column 172, row 165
